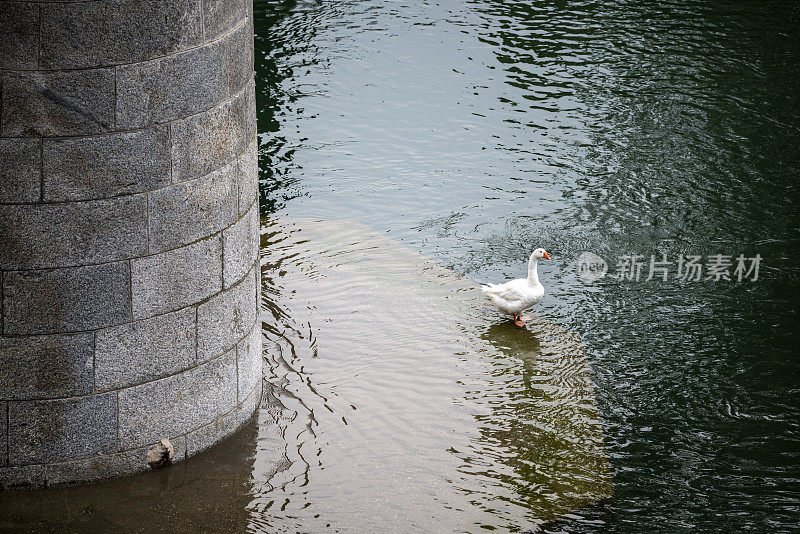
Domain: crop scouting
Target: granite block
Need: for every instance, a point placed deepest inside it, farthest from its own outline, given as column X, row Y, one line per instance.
column 40, row 367
column 66, row 300
column 72, row 34
column 106, row 166
column 3, row 434
column 174, row 404
column 240, row 247
column 188, row 211
column 209, row 140
column 226, row 318
column 145, row 350
column 214, row 432
column 220, row 16
column 240, row 58
column 22, row 477
column 66, row 234
column 250, row 404
column 259, row 289
column 57, row 103
column 177, row 278
column 45, row 431
column 20, row 172
column 108, row 466
column 164, row 89
column 19, row 37
column 91, row 34
column 248, row 176
column 250, row 363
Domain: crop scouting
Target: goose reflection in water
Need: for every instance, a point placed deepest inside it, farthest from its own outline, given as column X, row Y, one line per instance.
column 542, row 421
column 517, row 343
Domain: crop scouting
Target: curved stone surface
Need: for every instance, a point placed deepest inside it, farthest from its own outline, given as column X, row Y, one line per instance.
column 128, row 234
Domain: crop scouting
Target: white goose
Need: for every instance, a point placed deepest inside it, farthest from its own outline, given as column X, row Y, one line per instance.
column 518, row 295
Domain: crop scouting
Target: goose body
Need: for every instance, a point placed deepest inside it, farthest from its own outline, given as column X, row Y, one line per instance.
column 518, row 295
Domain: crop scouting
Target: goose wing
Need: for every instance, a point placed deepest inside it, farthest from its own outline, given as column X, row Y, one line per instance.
column 508, row 291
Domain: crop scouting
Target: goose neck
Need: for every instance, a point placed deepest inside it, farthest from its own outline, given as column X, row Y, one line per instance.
column 533, row 273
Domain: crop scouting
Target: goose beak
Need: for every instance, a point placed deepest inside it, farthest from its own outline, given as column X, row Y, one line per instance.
column 545, row 255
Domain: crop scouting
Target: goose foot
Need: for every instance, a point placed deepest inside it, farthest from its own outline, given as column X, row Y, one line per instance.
column 520, row 321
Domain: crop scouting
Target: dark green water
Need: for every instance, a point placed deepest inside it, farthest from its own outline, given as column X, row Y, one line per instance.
column 476, row 131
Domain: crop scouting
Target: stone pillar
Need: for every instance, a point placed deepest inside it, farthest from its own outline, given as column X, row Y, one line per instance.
column 128, row 233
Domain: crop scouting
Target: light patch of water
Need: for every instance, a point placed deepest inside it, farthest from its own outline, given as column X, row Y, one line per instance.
column 400, row 401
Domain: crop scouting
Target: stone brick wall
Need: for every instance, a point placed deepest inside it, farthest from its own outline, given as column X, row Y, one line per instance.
column 129, row 222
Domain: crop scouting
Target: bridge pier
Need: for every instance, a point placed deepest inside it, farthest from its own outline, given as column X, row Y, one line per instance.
column 129, row 278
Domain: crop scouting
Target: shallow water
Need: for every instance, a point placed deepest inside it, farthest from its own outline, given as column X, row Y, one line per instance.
column 402, row 402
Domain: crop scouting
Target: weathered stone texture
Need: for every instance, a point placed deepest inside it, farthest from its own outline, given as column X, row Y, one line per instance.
column 248, row 177
column 145, row 350
column 222, row 15
column 39, row 367
column 90, row 34
column 226, row 318
column 165, row 89
column 66, row 300
column 250, row 404
column 20, row 173
column 192, row 210
column 176, row 278
column 23, row 476
column 64, row 429
column 240, row 247
column 19, row 36
column 106, row 166
column 209, row 140
column 57, row 103
column 3, row 435
column 240, row 58
column 107, row 466
column 174, row 404
column 206, row 436
column 67, row 234
column 250, row 363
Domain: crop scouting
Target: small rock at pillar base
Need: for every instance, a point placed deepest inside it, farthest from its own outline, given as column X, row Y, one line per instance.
column 161, row 455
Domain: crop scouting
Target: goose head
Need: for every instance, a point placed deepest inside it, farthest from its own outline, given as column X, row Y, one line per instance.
column 539, row 254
